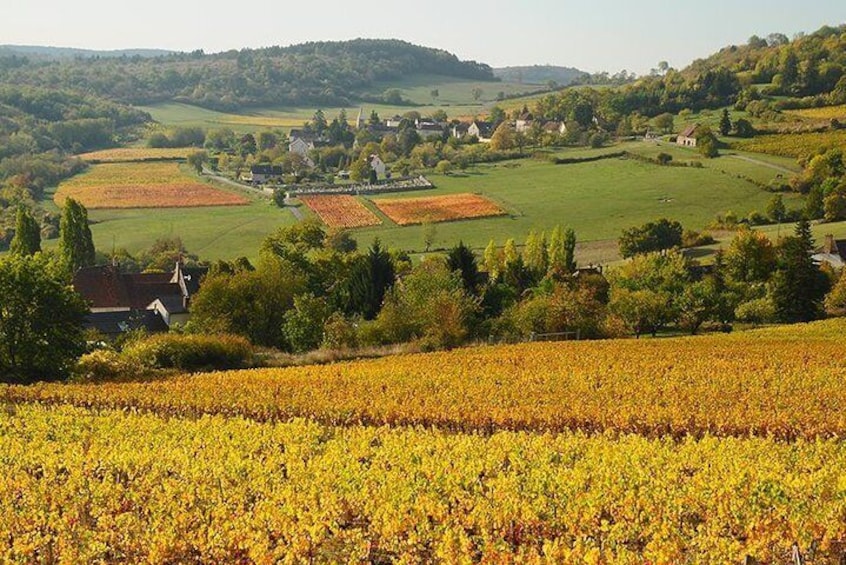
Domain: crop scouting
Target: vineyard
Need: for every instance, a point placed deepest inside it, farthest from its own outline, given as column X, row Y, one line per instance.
column 684, row 450
column 824, row 113
column 407, row 211
column 341, row 211
column 796, row 145
column 142, row 185
column 131, row 154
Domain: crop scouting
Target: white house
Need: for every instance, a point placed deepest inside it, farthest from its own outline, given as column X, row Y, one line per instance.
column 378, row 165
column 523, row 123
column 483, row 131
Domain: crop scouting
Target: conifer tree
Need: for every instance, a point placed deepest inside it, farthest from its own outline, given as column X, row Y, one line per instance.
column 798, row 286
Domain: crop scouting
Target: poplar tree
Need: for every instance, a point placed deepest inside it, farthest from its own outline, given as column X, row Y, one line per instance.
column 27, row 240
column 76, row 246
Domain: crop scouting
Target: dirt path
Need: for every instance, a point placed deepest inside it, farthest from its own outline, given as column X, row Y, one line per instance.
column 764, row 164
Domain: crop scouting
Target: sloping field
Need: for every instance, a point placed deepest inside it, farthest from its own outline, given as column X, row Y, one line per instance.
column 688, row 450
column 129, row 154
column 142, row 185
column 794, row 144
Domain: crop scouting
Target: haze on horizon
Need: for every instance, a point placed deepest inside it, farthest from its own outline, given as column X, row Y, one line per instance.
column 605, row 35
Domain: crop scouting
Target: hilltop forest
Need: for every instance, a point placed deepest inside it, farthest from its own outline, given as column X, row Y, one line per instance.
column 317, row 73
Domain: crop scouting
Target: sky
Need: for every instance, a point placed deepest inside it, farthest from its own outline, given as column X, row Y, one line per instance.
column 592, row 35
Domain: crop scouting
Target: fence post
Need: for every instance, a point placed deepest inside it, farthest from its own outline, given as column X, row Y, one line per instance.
column 749, row 560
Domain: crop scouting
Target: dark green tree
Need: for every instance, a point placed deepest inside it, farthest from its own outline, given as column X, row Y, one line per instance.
column 725, row 122
column 76, row 246
column 798, row 287
column 41, row 331
column 462, row 259
column 370, row 278
column 652, row 236
column 27, row 240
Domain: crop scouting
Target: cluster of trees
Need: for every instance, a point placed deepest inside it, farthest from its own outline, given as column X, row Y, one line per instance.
column 311, row 289
column 322, row 73
column 823, row 179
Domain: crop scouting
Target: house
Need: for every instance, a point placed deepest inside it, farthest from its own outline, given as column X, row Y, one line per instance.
column 301, row 146
column 555, row 128
column 378, row 166
column 394, row 122
column 832, row 251
column 429, row 129
column 482, row 130
column 459, row 130
column 122, row 301
column 260, row 174
column 523, row 122
column 687, row 138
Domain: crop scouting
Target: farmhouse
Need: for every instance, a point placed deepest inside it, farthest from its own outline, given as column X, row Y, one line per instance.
column 120, row 302
column 832, row 251
column 260, row 174
column 687, row 137
column 300, row 145
column 482, row 130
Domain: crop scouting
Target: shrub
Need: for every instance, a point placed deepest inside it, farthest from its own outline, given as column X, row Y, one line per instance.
column 106, row 365
column 759, row 311
column 191, row 352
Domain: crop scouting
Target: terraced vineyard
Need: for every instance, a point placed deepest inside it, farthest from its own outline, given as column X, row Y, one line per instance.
column 688, row 450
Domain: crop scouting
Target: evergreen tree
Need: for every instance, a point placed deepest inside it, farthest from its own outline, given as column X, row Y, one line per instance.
column 76, row 246
column 725, row 122
column 461, row 259
column 27, row 240
column 370, row 279
column 798, row 286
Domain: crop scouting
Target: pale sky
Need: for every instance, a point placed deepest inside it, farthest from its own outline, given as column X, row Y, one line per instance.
column 592, row 35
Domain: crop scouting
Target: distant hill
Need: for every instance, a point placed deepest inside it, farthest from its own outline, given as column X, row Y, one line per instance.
column 72, row 52
column 539, row 74
column 317, row 73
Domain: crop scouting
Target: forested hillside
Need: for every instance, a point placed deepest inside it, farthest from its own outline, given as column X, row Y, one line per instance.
column 540, row 74
column 321, row 73
column 40, row 130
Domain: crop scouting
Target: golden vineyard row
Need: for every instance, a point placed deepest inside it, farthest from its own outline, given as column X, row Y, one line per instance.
column 78, row 486
column 785, row 384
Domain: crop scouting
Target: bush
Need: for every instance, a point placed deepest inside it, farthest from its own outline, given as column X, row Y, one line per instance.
column 759, row 311
column 691, row 238
column 191, row 352
column 106, row 365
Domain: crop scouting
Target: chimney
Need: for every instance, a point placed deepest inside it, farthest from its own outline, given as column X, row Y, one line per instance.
column 830, row 247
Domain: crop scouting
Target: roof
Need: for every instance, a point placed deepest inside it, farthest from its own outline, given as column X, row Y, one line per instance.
column 484, row 127
column 114, row 323
column 689, row 131
column 106, row 287
column 173, row 304
column 266, row 170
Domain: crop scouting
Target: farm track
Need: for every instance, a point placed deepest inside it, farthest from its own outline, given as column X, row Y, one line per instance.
column 763, row 164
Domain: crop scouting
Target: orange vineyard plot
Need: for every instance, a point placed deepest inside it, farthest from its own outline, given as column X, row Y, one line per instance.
column 129, row 154
column 406, row 211
column 142, row 185
column 341, row 211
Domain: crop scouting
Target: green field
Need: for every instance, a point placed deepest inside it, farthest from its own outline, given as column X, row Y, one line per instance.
column 224, row 232
column 597, row 199
column 455, row 98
